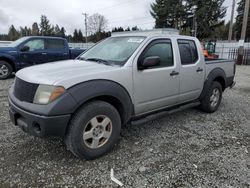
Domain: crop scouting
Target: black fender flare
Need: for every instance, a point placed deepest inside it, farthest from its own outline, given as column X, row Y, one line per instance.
column 106, row 90
column 213, row 75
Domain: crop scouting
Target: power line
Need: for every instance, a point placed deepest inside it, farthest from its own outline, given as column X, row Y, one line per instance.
column 119, row 4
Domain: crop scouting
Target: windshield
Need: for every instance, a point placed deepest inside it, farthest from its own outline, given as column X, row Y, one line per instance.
column 114, row 50
column 17, row 42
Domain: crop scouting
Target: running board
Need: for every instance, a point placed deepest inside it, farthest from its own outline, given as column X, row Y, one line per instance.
column 164, row 113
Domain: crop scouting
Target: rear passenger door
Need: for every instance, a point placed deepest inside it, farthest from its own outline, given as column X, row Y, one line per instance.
column 56, row 50
column 192, row 71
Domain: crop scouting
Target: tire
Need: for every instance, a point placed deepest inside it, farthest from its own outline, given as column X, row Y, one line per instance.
column 96, row 120
column 211, row 101
column 5, row 70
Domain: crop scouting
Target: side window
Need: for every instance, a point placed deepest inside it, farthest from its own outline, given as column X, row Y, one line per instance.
column 188, row 52
column 163, row 50
column 35, row 44
column 54, row 44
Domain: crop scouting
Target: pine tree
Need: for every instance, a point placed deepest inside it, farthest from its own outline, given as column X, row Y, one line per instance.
column 62, row 32
column 35, row 29
column 209, row 15
column 75, row 36
column 80, row 36
column 168, row 13
column 57, row 31
column 239, row 20
column 13, row 33
column 45, row 27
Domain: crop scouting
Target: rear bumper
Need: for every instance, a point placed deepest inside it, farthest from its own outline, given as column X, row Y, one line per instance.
column 38, row 125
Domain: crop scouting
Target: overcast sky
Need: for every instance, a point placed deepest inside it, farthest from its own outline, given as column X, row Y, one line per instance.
column 69, row 13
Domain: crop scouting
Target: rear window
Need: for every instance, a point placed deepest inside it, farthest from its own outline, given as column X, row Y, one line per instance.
column 188, row 52
column 54, row 44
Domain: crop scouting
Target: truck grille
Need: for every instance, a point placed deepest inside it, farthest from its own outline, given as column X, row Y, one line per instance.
column 25, row 91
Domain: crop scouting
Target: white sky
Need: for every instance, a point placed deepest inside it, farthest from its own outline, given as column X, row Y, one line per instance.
column 69, row 13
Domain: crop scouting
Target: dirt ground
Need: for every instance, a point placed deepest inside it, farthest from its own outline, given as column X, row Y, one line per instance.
column 186, row 149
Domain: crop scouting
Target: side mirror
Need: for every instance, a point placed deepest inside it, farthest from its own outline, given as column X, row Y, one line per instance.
column 150, row 62
column 25, row 49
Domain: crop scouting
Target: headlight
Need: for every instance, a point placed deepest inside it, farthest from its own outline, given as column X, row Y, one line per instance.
column 46, row 94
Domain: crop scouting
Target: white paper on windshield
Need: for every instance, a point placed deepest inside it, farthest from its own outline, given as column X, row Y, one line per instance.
column 135, row 40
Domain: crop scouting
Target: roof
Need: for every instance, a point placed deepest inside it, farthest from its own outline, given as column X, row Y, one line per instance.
column 153, row 32
column 45, row 37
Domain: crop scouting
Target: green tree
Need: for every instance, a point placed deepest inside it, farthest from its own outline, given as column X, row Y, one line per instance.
column 80, row 36
column 209, row 15
column 45, row 26
column 13, row 34
column 57, row 30
column 135, row 28
column 75, row 37
column 35, row 29
column 168, row 13
column 62, row 32
column 25, row 31
column 239, row 20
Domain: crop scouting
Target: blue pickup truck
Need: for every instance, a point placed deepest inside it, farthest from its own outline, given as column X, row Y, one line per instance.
column 28, row 51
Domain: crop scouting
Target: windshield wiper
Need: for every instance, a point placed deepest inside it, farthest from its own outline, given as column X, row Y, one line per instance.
column 105, row 62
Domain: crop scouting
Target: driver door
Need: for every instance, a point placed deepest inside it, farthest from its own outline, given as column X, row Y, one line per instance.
column 34, row 54
column 156, row 87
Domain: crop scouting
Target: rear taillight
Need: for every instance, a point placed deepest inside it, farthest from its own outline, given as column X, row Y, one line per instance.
column 234, row 68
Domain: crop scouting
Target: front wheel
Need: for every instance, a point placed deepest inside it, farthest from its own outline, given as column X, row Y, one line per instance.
column 93, row 130
column 5, row 70
column 211, row 102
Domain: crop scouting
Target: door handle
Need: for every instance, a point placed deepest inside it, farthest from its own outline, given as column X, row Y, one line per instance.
column 174, row 73
column 199, row 70
column 44, row 53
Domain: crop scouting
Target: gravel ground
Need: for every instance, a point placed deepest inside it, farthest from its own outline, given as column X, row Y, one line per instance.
column 186, row 149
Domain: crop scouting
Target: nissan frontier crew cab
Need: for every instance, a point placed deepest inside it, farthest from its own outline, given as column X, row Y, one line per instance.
column 122, row 79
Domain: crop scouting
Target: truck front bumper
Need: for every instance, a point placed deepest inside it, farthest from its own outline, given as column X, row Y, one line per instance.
column 38, row 125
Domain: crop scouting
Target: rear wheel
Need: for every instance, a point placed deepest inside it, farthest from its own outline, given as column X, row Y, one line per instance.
column 211, row 102
column 5, row 70
column 94, row 130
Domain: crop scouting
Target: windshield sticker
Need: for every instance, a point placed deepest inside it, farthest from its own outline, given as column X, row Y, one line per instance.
column 135, row 40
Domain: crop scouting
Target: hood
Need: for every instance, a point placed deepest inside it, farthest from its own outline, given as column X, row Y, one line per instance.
column 6, row 49
column 51, row 73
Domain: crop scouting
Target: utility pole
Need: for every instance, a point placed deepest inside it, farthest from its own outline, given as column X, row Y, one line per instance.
column 243, row 33
column 86, row 27
column 231, row 23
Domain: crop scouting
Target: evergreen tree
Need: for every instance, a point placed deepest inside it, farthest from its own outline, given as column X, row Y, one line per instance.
column 80, row 36
column 62, row 32
column 239, row 20
column 57, row 31
column 128, row 29
column 35, row 29
column 13, row 33
column 135, row 28
column 25, row 31
column 168, row 13
column 209, row 15
column 75, row 37
column 45, row 27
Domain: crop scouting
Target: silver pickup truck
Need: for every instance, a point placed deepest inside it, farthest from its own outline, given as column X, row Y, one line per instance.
column 125, row 78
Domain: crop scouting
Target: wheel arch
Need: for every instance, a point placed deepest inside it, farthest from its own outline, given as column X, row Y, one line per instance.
column 218, row 75
column 8, row 60
column 104, row 90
